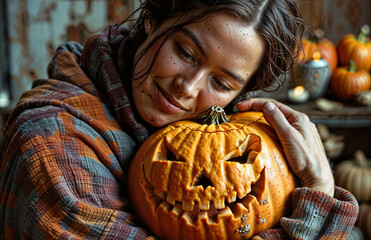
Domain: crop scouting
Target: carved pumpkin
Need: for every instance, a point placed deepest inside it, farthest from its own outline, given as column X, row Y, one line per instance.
column 355, row 176
column 347, row 81
column 316, row 42
column 356, row 48
column 207, row 181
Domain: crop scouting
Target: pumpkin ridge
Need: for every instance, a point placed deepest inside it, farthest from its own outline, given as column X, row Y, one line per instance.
column 229, row 130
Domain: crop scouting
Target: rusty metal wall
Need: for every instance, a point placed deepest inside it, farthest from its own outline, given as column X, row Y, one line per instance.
column 36, row 27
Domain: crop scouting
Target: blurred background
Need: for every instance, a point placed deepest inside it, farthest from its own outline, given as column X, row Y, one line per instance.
column 32, row 29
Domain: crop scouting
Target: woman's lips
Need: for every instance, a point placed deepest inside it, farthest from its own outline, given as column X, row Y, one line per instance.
column 167, row 103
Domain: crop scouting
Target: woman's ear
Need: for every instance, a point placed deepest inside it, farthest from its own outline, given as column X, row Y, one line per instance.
column 148, row 22
column 148, row 25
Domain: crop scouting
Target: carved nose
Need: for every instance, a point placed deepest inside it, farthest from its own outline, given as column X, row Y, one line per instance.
column 202, row 180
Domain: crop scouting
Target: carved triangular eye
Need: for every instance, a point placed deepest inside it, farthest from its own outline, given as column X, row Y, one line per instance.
column 171, row 157
column 249, row 148
column 241, row 159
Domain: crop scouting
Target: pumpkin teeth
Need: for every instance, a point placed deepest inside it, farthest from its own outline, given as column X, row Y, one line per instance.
column 177, row 209
column 219, row 204
column 170, row 199
column 204, row 206
column 202, row 215
column 188, row 206
column 225, row 212
column 232, row 197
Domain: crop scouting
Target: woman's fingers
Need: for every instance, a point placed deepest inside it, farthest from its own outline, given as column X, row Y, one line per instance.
column 301, row 142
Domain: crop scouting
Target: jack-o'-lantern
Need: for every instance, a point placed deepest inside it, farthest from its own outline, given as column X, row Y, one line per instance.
column 211, row 181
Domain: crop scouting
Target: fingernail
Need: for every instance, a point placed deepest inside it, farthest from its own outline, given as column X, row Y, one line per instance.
column 269, row 106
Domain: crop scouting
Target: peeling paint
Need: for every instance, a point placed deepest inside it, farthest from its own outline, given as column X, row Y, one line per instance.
column 38, row 27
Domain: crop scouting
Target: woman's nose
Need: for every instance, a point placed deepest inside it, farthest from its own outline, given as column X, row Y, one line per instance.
column 190, row 83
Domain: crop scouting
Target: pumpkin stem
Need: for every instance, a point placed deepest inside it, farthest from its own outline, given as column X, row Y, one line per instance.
column 352, row 66
column 360, row 159
column 316, row 35
column 215, row 115
column 363, row 32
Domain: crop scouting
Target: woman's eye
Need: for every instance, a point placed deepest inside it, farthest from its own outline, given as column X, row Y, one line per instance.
column 221, row 85
column 185, row 54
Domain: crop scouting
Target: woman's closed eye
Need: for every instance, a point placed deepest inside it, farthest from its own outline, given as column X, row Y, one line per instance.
column 186, row 55
column 220, row 85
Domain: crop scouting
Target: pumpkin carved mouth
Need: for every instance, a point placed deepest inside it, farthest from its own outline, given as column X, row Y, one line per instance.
column 217, row 181
column 212, row 211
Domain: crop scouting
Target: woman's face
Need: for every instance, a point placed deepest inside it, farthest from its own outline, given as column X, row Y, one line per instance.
column 204, row 64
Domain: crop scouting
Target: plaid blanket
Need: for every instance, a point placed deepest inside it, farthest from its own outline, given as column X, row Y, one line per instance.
column 64, row 152
column 68, row 144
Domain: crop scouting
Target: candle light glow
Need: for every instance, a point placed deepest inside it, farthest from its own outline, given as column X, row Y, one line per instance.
column 316, row 56
column 298, row 91
column 298, row 94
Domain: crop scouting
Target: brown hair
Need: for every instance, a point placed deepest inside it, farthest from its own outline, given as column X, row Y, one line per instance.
column 278, row 21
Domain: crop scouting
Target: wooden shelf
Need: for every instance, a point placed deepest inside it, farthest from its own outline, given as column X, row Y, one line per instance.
column 349, row 116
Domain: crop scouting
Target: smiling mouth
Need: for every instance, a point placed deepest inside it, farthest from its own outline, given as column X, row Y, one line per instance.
column 171, row 99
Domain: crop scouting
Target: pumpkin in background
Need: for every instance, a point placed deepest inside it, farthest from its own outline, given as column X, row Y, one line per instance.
column 348, row 80
column 316, row 42
column 355, row 176
column 364, row 219
column 208, row 181
column 356, row 48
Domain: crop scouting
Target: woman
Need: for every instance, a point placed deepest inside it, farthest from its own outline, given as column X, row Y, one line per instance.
column 68, row 143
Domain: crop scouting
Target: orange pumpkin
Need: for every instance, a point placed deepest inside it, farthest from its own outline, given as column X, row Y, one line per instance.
column 207, row 181
column 356, row 48
column 347, row 81
column 316, row 42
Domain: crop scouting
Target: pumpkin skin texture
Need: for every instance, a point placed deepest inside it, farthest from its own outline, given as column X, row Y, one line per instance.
column 200, row 181
column 355, row 176
column 356, row 48
column 316, row 42
column 347, row 81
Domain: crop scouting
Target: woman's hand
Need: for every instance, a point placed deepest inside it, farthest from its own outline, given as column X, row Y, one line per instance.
column 301, row 142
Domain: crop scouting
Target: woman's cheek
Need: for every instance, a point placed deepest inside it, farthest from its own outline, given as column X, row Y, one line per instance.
column 167, row 63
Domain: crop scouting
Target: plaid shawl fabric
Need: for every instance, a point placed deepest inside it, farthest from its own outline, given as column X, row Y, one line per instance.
column 68, row 144
column 64, row 153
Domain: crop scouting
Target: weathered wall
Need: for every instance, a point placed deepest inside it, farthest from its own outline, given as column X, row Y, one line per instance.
column 36, row 27
column 336, row 17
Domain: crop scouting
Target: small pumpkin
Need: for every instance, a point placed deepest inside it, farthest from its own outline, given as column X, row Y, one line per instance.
column 316, row 42
column 364, row 219
column 348, row 80
column 211, row 181
column 356, row 48
column 355, row 176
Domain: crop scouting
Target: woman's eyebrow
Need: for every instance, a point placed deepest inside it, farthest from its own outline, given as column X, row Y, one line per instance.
column 198, row 43
column 236, row 77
